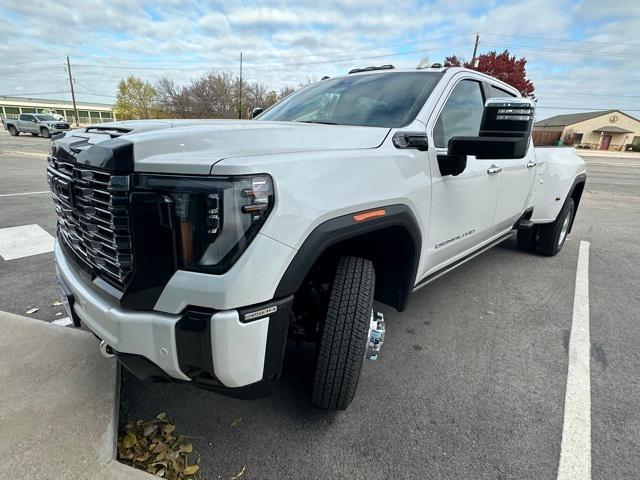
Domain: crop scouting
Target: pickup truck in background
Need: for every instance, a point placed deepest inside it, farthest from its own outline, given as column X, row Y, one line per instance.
column 35, row 124
column 194, row 250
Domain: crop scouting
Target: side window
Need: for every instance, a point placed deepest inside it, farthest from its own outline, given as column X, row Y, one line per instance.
column 25, row 118
column 498, row 92
column 461, row 114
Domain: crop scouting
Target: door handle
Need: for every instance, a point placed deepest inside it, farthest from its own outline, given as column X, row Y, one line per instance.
column 531, row 164
column 493, row 169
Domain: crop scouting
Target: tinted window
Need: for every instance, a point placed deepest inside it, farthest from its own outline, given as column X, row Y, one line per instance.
column 373, row 100
column 27, row 118
column 45, row 118
column 498, row 92
column 461, row 114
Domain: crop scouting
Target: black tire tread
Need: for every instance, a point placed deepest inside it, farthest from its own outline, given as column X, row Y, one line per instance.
column 549, row 233
column 343, row 340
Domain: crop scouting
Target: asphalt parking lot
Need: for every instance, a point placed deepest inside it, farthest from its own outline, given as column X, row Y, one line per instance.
column 471, row 381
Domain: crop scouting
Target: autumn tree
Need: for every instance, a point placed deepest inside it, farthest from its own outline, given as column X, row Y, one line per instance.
column 135, row 99
column 503, row 66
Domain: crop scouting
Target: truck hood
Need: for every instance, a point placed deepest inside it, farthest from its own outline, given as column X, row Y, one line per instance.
column 194, row 147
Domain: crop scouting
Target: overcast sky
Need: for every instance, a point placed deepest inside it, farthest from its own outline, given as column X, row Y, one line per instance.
column 581, row 54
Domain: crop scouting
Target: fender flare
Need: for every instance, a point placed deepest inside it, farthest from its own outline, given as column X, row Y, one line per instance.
column 345, row 227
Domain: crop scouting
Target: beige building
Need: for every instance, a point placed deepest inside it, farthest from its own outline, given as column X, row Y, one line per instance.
column 11, row 107
column 603, row 130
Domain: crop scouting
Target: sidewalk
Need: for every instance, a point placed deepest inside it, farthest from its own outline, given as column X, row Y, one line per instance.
column 607, row 153
column 58, row 404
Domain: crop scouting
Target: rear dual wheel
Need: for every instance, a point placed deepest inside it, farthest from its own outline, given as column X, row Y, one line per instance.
column 549, row 238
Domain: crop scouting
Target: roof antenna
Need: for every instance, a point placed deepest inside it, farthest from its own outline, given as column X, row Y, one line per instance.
column 424, row 63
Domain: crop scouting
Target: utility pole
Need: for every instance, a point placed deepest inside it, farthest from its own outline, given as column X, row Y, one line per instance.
column 240, row 105
column 475, row 51
column 73, row 95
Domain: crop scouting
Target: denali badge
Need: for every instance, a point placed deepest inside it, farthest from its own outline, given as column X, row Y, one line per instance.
column 260, row 313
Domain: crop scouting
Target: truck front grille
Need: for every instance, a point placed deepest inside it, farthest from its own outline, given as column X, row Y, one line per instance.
column 93, row 217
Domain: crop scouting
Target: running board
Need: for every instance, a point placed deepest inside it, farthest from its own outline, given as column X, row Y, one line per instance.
column 435, row 275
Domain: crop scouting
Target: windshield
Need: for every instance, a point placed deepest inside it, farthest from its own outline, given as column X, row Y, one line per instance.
column 374, row 100
column 45, row 118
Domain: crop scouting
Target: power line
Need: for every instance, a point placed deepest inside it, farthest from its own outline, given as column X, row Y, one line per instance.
column 560, row 39
column 277, row 57
column 598, row 53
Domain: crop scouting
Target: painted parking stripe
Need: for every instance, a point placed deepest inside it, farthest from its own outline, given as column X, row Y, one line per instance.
column 575, row 449
column 24, row 193
column 64, row 322
column 24, row 241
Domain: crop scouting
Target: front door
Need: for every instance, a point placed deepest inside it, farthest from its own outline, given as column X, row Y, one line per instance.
column 462, row 207
column 606, row 141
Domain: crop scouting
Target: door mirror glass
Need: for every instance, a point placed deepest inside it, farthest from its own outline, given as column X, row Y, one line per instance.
column 256, row 111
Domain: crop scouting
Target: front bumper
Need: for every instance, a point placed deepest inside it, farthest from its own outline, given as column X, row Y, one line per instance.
column 227, row 349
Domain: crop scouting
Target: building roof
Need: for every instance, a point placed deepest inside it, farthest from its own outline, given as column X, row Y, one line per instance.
column 612, row 129
column 571, row 118
column 43, row 102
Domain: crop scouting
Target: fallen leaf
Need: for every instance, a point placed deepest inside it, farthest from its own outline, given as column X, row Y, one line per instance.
column 149, row 430
column 32, row 310
column 236, row 422
column 161, row 447
column 58, row 314
column 186, row 448
column 168, row 428
column 129, row 440
column 244, row 469
column 191, row 469
column 56, row 304
column 161, row 416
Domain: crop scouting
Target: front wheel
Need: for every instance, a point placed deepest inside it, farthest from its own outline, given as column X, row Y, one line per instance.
column 13, row 131
column 45, row 132
column 344, row 334
column 553, row 235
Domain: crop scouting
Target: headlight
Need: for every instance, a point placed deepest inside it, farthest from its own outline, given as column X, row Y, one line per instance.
column 215, row 218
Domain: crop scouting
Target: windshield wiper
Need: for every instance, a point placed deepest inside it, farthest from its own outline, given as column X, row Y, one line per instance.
column 317, row 121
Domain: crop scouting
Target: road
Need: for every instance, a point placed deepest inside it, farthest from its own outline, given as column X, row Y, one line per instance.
column 471, row 381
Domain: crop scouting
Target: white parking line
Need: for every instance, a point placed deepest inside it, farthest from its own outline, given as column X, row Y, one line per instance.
column 24, row 241
column 64, row 321
column 24, row 193
column 575, row 450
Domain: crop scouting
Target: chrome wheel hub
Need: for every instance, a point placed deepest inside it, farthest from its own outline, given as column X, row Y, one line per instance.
column 564, row 229
column 375, row 337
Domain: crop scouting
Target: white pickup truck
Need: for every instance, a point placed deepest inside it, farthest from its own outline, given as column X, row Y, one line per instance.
column 195, row 249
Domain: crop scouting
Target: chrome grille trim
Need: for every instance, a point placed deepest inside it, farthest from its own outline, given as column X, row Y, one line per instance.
column 93, row 217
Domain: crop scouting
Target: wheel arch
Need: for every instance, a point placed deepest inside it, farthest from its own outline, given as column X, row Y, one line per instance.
column 392, row 242
column 576, row 194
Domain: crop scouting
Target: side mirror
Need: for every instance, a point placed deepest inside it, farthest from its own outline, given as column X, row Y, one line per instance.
column 505, row 130
column 256, row 111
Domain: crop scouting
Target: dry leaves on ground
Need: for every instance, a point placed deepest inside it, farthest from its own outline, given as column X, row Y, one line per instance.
column 153, row 446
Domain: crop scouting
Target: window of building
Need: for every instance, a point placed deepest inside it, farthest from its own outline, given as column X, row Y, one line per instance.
column 461, row 115
column 11, row 112
column 28, row 110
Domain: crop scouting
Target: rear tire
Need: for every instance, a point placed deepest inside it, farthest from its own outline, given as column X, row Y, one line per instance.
column 45, row 132
column 553, row 235
column 344, row 334
column 13, row 131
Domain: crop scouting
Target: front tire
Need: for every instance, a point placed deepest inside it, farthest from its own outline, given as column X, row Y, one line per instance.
column 13, row 131
column 344, row 334
column 45, row 132
column 553, row 235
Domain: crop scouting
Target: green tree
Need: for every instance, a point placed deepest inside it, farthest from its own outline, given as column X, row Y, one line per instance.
column 136, row 99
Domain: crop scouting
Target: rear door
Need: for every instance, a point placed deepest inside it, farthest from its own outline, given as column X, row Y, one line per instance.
column 518, row 176
column 27, row 123
column 462, row 207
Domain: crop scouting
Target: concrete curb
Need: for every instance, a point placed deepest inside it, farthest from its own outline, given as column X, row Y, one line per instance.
column 59, row 404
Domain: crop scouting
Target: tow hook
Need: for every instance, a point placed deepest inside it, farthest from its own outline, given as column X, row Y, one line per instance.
column 375, row 339
column 106, row 350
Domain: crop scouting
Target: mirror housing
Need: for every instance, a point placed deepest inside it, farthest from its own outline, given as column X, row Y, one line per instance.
column 256, row 111
column 505, row 130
